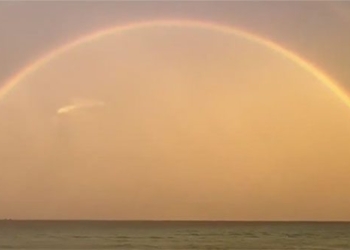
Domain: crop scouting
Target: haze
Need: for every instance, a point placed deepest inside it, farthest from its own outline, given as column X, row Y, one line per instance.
column 196, row 125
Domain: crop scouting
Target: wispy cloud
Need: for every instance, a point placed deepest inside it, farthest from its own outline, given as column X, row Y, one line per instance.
column 79, row 104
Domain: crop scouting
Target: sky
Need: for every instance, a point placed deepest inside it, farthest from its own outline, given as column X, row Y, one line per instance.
column 178, row 123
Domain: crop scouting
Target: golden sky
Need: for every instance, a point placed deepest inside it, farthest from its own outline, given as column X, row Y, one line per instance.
column 174, row 123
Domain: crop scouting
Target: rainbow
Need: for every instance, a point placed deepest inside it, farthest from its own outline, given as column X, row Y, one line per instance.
column 326, row 80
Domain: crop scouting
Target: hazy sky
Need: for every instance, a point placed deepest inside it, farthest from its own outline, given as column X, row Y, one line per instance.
column 174, row 123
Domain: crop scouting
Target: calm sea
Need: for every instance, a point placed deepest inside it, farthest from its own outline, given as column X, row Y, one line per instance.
column 173, row 235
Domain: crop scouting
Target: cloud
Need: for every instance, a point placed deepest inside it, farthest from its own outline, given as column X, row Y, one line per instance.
column 79, row 104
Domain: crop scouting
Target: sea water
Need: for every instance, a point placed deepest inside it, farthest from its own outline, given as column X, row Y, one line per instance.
column 64, row 235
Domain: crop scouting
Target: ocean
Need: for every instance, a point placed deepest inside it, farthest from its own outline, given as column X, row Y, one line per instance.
column 94, row 235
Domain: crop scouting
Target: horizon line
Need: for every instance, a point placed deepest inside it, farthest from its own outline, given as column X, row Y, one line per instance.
column 175, row 220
